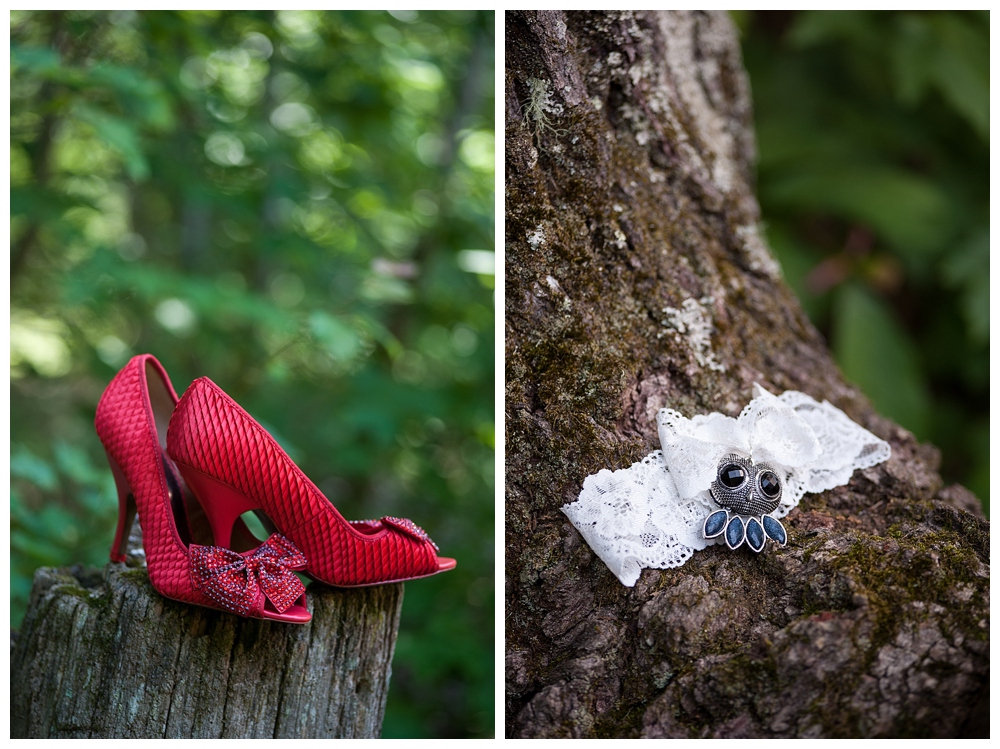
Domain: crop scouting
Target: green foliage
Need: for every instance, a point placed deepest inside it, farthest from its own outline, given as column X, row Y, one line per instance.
column 286, row 202
column 873, row 131
column 877, row 354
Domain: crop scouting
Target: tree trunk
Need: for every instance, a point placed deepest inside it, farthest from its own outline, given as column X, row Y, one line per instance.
column 102, row 655
column 629, row 200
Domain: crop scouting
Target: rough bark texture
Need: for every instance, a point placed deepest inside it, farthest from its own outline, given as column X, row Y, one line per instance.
column 629, row 156
column 102, row 655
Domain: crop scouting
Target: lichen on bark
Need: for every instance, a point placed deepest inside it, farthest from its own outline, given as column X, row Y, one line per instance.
column 635, row 198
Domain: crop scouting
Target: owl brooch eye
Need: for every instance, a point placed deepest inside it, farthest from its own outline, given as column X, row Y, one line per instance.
column 747, row 493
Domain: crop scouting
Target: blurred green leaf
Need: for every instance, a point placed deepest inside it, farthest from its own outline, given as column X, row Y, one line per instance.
column 118, row 134
column 381, row 289
column 338, row 338
column 967, row 268
column 26, row 465
column 43, row 204
column 875, row 353
column 907, row 210
column 817, row 27
column 41, row 61
column 912, row 57
column 145, row 97
column 961, row 70
column 75, row 463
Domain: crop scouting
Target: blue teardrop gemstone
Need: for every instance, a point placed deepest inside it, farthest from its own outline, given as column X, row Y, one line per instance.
column 715, row 523
column 775, row 530
column 735, row 533
column 755, row 535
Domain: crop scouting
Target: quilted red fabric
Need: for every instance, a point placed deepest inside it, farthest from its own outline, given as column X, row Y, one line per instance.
column 126, row 426
column 210, row 433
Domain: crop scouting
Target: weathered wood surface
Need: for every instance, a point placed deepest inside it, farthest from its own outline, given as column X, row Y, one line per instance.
column 102, row 655
column 629, row 167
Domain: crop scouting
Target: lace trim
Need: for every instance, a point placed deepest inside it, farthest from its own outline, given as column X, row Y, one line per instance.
column 652, row 513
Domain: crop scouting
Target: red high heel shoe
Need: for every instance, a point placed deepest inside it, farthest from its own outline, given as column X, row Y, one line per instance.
column 230, row 461
column 131, row 422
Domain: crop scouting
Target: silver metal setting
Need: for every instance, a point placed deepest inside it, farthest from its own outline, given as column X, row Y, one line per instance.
column 732, row 498
column 747, row 498
column 746, row 501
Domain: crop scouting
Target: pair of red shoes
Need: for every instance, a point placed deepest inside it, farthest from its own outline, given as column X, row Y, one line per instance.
column 183, row 461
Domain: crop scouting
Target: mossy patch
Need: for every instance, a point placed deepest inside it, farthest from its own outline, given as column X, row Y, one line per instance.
column 930, row 568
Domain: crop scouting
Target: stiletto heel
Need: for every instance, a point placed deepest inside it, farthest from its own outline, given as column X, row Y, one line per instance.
column 126, row 513
column 235, row 466
column 222, row 505
column 131, row 422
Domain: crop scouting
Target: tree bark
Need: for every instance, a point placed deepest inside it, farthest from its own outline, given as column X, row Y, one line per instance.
column 102, row 655
column 629, row 158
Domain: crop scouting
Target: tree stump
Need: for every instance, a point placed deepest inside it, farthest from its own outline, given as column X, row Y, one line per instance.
column 637, row 278
column 103, row 655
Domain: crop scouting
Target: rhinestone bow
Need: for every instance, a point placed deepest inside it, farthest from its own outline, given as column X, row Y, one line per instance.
column 409, row 527
column 239, row 582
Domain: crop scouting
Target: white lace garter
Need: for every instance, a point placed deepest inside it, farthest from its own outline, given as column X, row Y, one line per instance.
column 719, row 479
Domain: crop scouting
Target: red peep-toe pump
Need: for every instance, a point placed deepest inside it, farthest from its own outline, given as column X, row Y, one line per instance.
column 131, row 422
column 230, row 461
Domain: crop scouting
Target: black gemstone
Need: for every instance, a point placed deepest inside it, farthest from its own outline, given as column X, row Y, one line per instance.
column 769, row 484
column 732, row 475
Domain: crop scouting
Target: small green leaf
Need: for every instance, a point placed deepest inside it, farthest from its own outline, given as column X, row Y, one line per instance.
column 812, row 28
column 41, row 203
column 339, row 339
column 38, row 60
column 385, row 290
column 968, row 268
column 140, row 94
column 961, row 71
column 26, row 465
column 118, row 134
column 75, row 464
column 911, row 57
column 877, row 355
column 909, row 211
